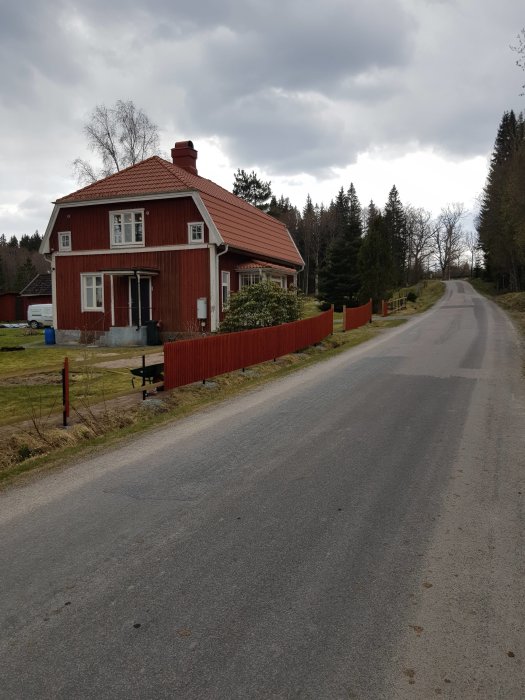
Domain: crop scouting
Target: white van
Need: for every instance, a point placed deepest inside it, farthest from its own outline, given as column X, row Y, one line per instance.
column 40, row 315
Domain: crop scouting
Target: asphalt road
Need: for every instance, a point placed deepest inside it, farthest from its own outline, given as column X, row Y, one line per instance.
column 355, row 530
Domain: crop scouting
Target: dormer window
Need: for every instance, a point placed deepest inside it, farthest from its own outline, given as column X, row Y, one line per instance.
column 126, row 228
column 64, row 241
column 196, row 232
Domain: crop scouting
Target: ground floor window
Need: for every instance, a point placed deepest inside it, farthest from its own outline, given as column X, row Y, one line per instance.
column 256, row 276
column 225, row 288
column 92, row 292
column 248, row 278
column 278, row 280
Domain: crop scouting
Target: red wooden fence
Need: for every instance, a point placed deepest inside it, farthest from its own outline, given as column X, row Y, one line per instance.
column 187, row 361
column 356, row 317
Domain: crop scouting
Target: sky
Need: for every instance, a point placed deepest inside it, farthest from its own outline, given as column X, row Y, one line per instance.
column 310, row 95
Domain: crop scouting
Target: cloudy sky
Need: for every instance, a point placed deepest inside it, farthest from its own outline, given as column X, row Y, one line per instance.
column 310, row 95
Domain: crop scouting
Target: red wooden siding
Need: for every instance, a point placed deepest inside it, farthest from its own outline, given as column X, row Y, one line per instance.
column 37, row 299
column 9, row 310
column 183, row 277
column 356, row 317
column 165, row 224
column 14, row 307
column 188, row 361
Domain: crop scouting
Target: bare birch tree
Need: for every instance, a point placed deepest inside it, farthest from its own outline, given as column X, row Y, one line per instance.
column 420, row 235
column 472, row 247
column 120, row 136
column 448, row 237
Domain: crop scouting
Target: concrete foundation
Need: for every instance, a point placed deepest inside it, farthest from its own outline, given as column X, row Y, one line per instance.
column 125, row 336
column 114, row 337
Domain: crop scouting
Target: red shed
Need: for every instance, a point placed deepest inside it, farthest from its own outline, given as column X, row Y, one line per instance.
column 38, row 291
column 10, row 307
column 157, row 242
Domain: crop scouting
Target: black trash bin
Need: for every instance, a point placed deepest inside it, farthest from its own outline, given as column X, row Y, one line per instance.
column 152, row 333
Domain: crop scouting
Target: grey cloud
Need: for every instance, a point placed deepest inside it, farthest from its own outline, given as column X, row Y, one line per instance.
column 33, row 48
column 289, row 86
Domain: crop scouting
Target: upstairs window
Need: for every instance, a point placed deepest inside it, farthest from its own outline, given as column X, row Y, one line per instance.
column 196, row 232
column 64, row 240
column 127, row 228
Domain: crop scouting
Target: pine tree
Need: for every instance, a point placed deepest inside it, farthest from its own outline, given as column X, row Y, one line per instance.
column 375, row 258
column 24, row 274
column 3, row 284
column 252, row 189
column 340, row 280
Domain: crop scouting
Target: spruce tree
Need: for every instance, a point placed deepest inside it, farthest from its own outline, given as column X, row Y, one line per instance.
column 498, row 228
column 306, row 242
column 375, row 258
column 339, row 280
column 396, row 230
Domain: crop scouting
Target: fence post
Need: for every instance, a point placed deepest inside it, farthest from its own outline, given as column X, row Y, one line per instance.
column 144, row 392
column 65, row 392
column 344, row 318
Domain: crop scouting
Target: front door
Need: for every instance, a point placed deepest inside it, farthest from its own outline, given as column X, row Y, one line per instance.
column 139, row 300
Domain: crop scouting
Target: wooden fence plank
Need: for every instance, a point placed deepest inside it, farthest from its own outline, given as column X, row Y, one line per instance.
column 188, row 361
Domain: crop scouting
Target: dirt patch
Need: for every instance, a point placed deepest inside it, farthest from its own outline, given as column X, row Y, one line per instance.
column 32, row 380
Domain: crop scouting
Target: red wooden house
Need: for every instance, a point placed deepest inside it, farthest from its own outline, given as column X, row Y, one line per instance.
column 157, row 242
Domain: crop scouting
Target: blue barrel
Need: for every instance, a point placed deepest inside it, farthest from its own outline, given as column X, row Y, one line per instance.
column 49, row 336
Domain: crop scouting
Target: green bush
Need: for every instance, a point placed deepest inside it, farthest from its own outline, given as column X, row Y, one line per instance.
column 411, row 296
column 261, row 305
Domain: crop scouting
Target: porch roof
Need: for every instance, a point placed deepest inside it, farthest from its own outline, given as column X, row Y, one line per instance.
column 261, row 265
column 131, row 271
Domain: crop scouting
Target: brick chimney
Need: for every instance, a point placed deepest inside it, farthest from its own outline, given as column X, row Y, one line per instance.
column 185, row 156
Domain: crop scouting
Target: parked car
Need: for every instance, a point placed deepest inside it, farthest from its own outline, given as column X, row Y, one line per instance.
column 40, row 315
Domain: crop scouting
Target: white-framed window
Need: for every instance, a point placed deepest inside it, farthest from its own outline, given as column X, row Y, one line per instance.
column 64, row 240
column 92, row 286
column 248, row 278
column 196, row 232
column 126, row 228
column 225, row 288
column 278, row 280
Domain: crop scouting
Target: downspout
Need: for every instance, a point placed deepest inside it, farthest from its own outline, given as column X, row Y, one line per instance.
column 298, row 271
column 137, row 277
column 50, row 259
column 219, row 281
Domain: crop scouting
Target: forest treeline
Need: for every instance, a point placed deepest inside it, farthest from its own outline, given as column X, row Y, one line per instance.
column 352, row 253
column 20, row 261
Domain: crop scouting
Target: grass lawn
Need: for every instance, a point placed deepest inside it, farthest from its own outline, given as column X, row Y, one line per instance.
column 30, row 379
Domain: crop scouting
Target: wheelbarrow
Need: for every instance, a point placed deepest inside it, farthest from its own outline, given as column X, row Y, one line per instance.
column 148, row 373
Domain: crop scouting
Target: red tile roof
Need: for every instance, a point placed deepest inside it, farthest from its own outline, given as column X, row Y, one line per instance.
column 242, row 226
column 259, row 264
